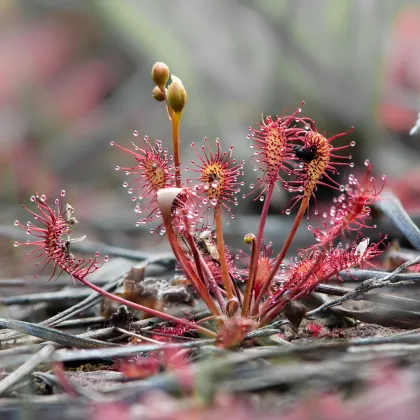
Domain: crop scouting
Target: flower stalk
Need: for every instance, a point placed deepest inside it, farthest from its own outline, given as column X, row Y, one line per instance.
column 175, row 122
column 222, row 254
column 166, row 199
column 286, row 245
column 150, row 311
column 256, row 247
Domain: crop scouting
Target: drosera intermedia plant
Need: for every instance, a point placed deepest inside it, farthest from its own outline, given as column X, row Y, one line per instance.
column 192, row 203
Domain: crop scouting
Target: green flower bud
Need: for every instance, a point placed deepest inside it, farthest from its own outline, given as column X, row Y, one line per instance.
column 160, row 74
column 177, row 95
column 249, row 238
column 157, row 94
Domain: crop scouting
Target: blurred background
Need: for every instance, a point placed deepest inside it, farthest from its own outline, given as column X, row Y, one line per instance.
column 75, row 75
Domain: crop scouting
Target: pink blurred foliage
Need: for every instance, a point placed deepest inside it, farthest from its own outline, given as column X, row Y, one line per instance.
column 139, row 366
column 50, row 76
column 389, row 394
column 315, row 329
column 110, row 411
column 402, row 72
column 31, row 54
column 79, row 90
column 169, row 360
column 24, row 158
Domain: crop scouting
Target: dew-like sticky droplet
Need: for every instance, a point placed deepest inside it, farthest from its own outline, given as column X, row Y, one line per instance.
column 16, row 243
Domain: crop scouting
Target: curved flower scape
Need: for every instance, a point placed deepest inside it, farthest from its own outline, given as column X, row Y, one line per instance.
column 265, row 265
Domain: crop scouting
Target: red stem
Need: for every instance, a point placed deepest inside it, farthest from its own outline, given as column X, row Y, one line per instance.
column 283, row 252
column 175, row 121
column 213, row 285
column 256, row 248
column 270, row 314
column 182, row 259
column 222, row 255
column 199, row 263
column 150, row 311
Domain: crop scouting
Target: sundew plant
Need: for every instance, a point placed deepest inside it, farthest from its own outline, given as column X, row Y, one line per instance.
column 191, row 206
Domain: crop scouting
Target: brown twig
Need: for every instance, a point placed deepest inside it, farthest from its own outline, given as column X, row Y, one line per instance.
column 364, row 287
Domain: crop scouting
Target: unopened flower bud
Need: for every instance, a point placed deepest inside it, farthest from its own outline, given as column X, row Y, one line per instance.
column 160, row 74
column 177, row 95
column 249, row 238
column 157, row 94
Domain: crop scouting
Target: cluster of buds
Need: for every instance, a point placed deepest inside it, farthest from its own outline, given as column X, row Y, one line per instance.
column 291, row 154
